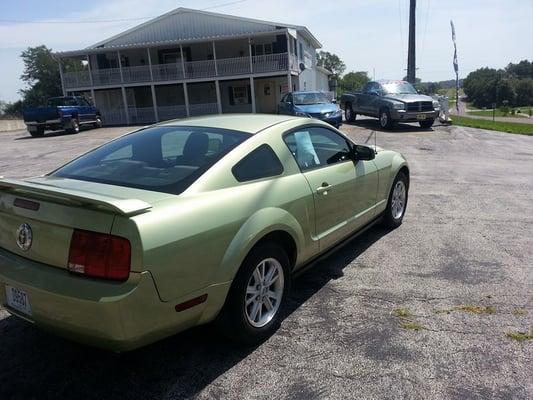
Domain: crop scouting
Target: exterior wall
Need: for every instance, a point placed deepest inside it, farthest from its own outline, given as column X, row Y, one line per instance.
column 322, row 81
column 307, row 78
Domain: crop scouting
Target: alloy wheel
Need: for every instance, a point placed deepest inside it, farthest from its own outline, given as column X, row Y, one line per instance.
column 264, row 292
column 398, row 200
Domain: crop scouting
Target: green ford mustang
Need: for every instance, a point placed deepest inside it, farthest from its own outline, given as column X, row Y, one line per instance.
column 187, row 222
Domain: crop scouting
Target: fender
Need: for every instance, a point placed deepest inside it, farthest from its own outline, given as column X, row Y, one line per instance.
column 259, row 225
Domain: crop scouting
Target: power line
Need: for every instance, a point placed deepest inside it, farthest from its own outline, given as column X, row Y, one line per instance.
column 97, row 21
column 425, row 27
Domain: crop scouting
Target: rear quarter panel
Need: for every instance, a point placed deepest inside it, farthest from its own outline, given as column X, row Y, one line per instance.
column 201, row 237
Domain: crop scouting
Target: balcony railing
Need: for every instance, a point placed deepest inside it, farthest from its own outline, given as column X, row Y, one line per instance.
column 174, row 72
column 170, row 112
column 202, row 109
column 141, row 115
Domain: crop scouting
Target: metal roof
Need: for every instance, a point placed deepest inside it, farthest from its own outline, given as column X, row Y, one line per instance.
column 184, row 24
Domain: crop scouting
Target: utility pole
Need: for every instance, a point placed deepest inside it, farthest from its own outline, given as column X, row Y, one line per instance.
column 411, row 57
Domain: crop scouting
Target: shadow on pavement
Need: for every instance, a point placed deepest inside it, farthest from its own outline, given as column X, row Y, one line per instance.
column 373, row 124
column 38, row 365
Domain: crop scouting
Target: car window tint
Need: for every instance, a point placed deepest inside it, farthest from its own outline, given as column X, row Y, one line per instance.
column 315, row 147
column 161, row 158
column 260, row 163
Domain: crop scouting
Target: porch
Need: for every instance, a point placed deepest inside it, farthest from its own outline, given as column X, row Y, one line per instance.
column 193, row 61
column 148, row 104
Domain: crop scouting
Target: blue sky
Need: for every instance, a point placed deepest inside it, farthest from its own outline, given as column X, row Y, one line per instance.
column 367, row 34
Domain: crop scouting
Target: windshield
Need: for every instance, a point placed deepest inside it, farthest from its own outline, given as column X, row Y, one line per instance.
column 301, row 99
column 164, row 159
column 399, row 88
column 62, row 101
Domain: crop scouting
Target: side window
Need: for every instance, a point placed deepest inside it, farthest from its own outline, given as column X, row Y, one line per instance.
column 367, row 87
column 260, row 163
column 316, row 147
column 289, row 98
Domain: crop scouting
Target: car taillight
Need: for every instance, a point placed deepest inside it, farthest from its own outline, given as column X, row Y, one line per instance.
column 99, row 255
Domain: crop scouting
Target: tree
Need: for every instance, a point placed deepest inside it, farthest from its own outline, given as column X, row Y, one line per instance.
column 41, row 74
column 353, row 81
column 331, row 62
column 12, row 109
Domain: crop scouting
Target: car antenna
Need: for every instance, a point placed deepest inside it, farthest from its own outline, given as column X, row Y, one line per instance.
column 373, row 133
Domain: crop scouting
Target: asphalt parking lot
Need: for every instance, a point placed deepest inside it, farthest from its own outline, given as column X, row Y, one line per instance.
column 422, row 312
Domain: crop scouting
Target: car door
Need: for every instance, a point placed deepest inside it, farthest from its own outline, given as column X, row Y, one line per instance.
column 84, row 110
column 364, row 98
column 286, row 105
column 374, row 99
column 324, row 157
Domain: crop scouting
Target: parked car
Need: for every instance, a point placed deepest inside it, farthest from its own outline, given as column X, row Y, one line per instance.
column 391, row 102
column 68, row 113
column 187, row 222
column 311, row 104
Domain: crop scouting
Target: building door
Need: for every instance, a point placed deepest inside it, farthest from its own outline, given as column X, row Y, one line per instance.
column 265, row 94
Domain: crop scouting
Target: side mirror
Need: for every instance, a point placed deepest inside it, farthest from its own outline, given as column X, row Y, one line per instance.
column 363, row 153
column 334, row 101
column 374, row 93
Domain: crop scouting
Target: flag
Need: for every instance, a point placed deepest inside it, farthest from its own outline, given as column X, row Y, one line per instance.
column 455, row 67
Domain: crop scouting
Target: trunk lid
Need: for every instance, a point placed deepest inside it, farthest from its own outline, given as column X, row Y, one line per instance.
column 53, row 207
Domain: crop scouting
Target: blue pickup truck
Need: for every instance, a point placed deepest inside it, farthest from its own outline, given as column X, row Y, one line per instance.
column 67, row 113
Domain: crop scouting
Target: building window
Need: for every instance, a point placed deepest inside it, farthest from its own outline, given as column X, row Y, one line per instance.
column 301, row 51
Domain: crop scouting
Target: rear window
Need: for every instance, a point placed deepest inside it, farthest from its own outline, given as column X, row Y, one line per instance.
column 163, row 159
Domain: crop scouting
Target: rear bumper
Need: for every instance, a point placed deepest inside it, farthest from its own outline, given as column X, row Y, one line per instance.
column 411, row 116
column 114, row 316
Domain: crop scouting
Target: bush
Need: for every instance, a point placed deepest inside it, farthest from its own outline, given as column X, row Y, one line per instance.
column 504, row 110
column 530, row 113
column 512, row 111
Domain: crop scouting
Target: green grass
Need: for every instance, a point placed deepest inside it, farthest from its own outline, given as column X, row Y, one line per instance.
column 411, row 326
column 498, row 113
column 402, row 313
column 519, row 312
column 520, row 336
column 509, row 127
column 475, row 309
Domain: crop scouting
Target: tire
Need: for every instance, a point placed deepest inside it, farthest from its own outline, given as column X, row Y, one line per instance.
column 74, row 126
column 427, row 123
column 98, row 123
column 385, row 120
column 237, row 320
column 349, row 114
column 38, row 133
column 393, row 215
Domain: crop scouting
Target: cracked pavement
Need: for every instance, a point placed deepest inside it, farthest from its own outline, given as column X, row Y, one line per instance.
column 466, row 240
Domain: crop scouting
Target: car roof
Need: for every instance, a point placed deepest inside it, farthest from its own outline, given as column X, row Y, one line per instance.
column 250, row 123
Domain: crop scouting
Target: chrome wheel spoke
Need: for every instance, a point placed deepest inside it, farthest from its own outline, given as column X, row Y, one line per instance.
column 268, row 304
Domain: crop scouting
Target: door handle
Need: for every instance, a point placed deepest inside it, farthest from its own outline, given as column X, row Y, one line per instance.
column 324, row 188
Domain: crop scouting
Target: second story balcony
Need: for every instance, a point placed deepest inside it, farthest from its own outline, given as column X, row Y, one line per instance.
column 152, row 65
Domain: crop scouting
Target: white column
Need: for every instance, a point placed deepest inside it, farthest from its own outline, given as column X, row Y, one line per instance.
column 125, row 100
column 154, row 103
column 150, row 64
column 252, row 93
column 215, row 59
column 186, row 95
column 289, row 82
column 61, row 76
column 120, row 67
column 90, row 69
column 219, row 101
column 289, row 75
column 250, row 53
column 183, row 68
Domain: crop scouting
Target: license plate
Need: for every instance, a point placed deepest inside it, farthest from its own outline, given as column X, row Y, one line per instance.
column 18, row 300
column 420, row 117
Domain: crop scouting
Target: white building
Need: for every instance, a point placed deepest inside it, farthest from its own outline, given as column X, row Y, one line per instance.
column 189, row 62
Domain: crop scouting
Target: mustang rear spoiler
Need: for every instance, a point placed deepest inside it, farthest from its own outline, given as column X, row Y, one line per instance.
column 126, row 207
